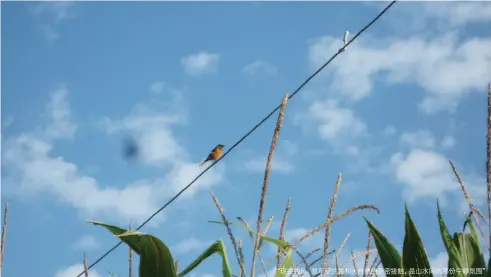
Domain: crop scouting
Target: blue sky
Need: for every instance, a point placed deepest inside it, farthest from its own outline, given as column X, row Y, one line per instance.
column 182, row 77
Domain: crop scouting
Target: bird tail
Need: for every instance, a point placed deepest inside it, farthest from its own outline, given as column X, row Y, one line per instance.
column 203, row 162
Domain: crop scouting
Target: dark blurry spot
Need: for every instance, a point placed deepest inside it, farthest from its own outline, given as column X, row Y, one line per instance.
column 130, row 149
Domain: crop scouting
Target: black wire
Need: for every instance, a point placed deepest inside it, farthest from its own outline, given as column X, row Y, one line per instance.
column 251, row 131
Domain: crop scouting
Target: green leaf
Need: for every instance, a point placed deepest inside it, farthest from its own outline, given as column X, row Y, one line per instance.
column 285, row 246
column 285, row 266
column 471, row 254
column 468, row 221
column 217, row 247
column 454, row 258
column 388, row 254
column 337, row 267
column 413, row 252
column 280, row 243
column 479, row 262
column 155, row 257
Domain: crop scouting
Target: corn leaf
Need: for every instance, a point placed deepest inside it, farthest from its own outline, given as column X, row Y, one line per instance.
column 285, row 266
column 471, row 254
column 217, row 247
column 280, row 243
column 414, row 256
column 285, row 246
column 454, row 257
column 389, row 255
column 155, row 257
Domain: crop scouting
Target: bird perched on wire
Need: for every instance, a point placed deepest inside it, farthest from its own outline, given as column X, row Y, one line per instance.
column 214, row 154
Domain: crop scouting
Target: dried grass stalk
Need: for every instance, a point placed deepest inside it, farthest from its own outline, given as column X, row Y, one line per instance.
column 241, row 254
column 86, row 268
column 304, row 260
column 375, row 264
column 479, row 213
column 252, row 239
column 312, row 253
column 339, row 249
column 230, row 234
column 308, row 256
column 358, row 254
column 353, row 260
column 364, row 252
column 488, row 162
column 469, row 201
column 314, row 261
column 264, row 190
column 367, row 256
column 268, row 224
column 282, row 230
column 4, row 235
column 336, row 218
column 328, row 227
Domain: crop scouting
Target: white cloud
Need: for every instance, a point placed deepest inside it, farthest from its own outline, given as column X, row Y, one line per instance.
column 74, row 270
column 155, row 138
column 420, row 138
column 192, row 244
column 448, row 142
column 445, row 67
column 200, row 63
column 258, row 164
column 430, row 18
column 427, row 174
column 282, row 159
column 259, row 67
column 86, row 243
column 157, row 87
column 38, row 172
column 50, row 33
column 31, row 168
column 61, row 123
column 458, row 13
column 59, row 11
column 439, row 262
column 333, row 121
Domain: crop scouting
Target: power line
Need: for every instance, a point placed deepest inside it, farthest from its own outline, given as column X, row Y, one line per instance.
column 251, row 131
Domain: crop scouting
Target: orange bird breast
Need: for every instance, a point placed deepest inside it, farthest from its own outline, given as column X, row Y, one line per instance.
column 216, row 154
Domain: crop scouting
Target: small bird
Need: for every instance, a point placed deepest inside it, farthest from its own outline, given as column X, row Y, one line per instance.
column 215, row 154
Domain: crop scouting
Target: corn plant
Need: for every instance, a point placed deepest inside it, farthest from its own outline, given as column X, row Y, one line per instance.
column 465, row 257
